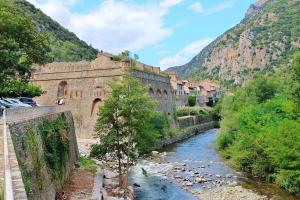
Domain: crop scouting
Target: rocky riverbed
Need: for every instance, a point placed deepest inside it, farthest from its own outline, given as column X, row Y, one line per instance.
column 192, row 169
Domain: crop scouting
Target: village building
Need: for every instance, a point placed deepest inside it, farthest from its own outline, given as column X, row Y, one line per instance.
column 83, row 86
column 203, row 90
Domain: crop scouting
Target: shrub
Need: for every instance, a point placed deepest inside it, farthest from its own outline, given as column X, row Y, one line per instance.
column 56, row 144
column 180, row 112
column 192, row 101
column 116, row 58
column 88, row 164
column 192, row 111
column 260, row 130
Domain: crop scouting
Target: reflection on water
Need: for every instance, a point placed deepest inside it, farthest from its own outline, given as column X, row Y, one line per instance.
column 197, row 155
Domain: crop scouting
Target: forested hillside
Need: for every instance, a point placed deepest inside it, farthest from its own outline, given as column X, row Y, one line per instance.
column 64, row 45
column 261, row 43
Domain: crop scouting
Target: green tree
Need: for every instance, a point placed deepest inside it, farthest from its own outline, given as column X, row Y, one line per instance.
column 124, row 123
column 260, row 128
column 296, row 70
column 20, row 47
column 191, row 101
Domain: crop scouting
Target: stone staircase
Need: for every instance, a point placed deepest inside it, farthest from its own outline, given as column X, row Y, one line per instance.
column 16, row 176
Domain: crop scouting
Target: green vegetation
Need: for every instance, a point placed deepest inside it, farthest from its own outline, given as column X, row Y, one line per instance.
column 193, row 111
column 51, row 155
column 37, row 160
column 55, row 144
column 64, row 45
column 20, row 47
column 124, row 124
column 191, row 101
column 1, row 192
column 88, row 164
column 260, row 128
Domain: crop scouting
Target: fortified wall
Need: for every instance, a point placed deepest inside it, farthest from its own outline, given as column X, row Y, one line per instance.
column 83, row 86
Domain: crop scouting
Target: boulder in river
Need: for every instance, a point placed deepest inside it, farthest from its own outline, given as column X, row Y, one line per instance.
column 200, row 180
column 136, row 185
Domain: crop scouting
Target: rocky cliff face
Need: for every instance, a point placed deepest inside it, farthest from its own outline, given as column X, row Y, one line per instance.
column 263, row 41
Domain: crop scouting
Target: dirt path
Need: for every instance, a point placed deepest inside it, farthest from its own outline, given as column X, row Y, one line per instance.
column 79, row 186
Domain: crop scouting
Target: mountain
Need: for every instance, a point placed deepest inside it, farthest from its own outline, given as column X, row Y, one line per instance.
column 65, row 45
column 261, row 43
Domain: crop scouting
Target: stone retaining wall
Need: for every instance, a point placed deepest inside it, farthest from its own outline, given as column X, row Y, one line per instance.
column 36, row 174
column 187, row 133
column 193, row 120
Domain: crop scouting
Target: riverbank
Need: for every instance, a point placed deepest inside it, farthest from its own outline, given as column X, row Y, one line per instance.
column 191, row 170
column 190, row 126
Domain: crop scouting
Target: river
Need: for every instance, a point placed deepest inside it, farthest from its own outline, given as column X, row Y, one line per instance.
column 171, row 174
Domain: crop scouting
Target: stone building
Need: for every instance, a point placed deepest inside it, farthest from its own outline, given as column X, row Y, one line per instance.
column 83, row 86
column 203, row 90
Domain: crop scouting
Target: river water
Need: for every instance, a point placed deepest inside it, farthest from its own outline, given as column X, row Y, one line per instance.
column 168, row 176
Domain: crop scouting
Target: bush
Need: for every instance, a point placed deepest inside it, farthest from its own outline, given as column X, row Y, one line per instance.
column 192, row 111
column 181, row 112
column 88, row 164
column 260, row 130
column 192, row 101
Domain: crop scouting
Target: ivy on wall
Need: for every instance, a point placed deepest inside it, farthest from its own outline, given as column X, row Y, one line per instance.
column 50, row 154
column 55, row 144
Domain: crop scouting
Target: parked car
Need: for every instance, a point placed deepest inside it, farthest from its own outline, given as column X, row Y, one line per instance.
column 6, row 103
column 11, row 103
column 28, row 101
column 3, row 105
column 18, row 103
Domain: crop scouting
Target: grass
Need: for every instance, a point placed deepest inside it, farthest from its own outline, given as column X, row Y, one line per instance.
column 88, row 164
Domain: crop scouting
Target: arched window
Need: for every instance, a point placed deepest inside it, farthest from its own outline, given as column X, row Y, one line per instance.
column 62, row 89
column 95, row 106
column 158, row 93
column 151, row 92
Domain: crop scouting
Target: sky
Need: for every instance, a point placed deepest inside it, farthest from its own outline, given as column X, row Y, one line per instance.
column 164, row 33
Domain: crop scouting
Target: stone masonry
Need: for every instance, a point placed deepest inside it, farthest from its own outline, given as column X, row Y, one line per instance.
column 83, row 86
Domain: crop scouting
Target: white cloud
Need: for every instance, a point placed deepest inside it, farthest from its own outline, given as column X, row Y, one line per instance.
column 184, row 55
column 114, row 25
column 220, row 7
column 196, row 7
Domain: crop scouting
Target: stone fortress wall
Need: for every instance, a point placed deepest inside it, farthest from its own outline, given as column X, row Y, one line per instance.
column 83, row 86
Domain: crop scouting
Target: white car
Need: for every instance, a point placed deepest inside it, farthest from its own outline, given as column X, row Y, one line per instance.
column 13, row 103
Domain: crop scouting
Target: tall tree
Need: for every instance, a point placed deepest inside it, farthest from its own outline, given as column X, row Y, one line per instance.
column 123, row 121
column 20, row 47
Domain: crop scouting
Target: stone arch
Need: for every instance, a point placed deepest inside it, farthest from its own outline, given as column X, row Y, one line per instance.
column 95, row 105
column 158, row 92
column 151, row 91
column 62, row 89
